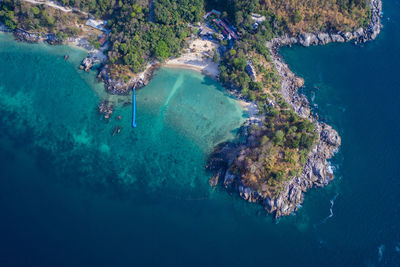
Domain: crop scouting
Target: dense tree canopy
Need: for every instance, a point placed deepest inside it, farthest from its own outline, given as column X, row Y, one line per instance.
column 172, row 12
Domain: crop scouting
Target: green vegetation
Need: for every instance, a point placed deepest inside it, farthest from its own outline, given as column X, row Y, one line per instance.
column 280, row 151
column 297, row 16
column 136, row 40
column 38, row 18
column 172, row 12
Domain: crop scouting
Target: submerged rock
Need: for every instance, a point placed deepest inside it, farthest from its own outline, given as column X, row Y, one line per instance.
column 106, row 109
column 86, row 64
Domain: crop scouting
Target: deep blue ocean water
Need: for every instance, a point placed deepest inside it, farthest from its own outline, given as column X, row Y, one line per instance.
column 71, row 194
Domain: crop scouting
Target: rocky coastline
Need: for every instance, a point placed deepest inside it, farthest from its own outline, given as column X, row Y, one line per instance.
column 29, row 37
column 321, row 38
column 316, row 172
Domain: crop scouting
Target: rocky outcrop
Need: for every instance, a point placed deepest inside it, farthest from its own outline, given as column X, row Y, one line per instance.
column 315, row 173
column 34, row 37
column 251, row 71
column 87, row 63
column 307, row 39
column 121, row 87
column 52, row 39
column 106, row 109
column 118, row 87
column 115, row 86
column 24, row 36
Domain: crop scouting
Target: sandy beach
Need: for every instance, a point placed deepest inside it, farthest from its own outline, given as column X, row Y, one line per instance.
column 197, row 57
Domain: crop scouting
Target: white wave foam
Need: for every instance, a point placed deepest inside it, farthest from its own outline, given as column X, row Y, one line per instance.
column 329, row 167
column 381, row 249
column 332, row 201
column 397, row 247
column 312, row 96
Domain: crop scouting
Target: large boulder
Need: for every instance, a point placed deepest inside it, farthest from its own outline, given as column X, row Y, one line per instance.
column 324, row 38
column 348, row 36
column 359, row 33
column 337, row 38
column 319, row 169
column 307, row 39
column 248, row 194
column 330, row 136
column 229, row 178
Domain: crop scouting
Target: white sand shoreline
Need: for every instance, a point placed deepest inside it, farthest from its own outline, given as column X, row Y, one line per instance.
column 197, row 57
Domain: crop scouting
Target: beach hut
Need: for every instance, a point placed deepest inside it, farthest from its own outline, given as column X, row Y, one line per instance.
column 103, row 39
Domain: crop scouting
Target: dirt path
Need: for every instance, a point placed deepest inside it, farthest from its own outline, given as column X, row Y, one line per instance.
column 54, row 5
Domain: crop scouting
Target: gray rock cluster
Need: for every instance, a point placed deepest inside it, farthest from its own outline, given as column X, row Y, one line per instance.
column 122, row 87
column 34, row 37
column 87, row 63
column 24, row 36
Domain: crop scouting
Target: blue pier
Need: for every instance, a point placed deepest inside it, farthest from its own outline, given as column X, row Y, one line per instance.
column 134, row 108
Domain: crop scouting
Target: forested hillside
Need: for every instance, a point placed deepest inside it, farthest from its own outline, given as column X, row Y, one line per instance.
column 295, row 16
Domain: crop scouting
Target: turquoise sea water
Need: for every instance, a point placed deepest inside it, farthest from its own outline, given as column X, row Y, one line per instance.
column 71, row 194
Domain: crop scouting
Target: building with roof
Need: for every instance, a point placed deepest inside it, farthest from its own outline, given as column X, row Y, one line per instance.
column 97, row 24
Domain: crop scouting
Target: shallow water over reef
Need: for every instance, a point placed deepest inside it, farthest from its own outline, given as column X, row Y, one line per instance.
column 179, row 119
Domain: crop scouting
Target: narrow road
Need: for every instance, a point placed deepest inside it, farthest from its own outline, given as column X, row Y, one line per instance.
column 55, row 5
column 151, row 7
